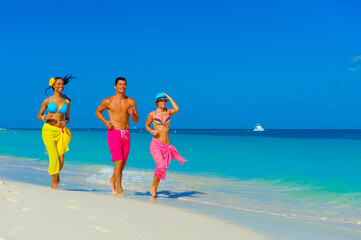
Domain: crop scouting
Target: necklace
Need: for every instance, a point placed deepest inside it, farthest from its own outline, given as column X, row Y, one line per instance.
column 161, row 112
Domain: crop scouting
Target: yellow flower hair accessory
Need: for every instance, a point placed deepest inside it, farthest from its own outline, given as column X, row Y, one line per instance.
column 51, row 82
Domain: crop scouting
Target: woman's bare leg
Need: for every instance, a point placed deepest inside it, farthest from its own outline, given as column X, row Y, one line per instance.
column 61, row 165
column 54, row 184
column 61, row 162
column 153, row 189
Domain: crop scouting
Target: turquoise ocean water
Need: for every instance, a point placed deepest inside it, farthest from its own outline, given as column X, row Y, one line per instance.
column 313, row 175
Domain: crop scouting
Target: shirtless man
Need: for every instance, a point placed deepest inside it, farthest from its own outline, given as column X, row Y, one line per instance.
column 119, row 107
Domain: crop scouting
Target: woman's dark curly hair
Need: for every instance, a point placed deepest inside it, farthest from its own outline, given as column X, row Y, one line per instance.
column 66, row 80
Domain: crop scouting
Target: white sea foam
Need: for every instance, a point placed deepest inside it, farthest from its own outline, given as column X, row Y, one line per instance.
column 130, row 177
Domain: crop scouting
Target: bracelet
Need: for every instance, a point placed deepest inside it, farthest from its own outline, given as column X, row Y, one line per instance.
column 151, row 132
column 43, row 118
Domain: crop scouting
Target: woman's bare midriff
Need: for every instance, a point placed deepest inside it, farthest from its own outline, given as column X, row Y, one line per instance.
column 55, row 120
column 163, row 133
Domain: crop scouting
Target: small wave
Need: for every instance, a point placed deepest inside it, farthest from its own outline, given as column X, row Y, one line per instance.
column 106, row 170
column 102, row 176
column 130, row 177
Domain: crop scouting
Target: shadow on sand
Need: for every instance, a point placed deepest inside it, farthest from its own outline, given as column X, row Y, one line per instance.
column 83, row 190
column 173, row 195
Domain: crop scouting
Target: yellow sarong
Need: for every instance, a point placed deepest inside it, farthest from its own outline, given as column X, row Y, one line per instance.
column 56, row 141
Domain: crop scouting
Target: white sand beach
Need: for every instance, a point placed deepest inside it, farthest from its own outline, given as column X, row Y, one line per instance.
column 37, row 212
column 29, row 209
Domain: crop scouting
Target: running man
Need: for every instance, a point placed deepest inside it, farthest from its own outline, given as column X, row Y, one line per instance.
column 119, row 107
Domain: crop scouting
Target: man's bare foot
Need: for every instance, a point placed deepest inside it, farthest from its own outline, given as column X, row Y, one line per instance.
column 119, row 192
column 112, row 185
column 119, row 195
column 55, row 187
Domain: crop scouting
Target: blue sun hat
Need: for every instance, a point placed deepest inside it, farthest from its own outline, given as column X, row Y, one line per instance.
column 160, row 96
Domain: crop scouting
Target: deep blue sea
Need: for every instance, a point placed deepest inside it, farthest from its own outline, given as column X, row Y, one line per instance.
column 313, row 175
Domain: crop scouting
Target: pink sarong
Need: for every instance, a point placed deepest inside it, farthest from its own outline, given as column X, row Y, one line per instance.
column 162, row 153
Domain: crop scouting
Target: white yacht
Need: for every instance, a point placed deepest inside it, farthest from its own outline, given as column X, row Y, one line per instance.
column 258, row 128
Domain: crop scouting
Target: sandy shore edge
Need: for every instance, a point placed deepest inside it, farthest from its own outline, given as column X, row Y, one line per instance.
column 36, row 212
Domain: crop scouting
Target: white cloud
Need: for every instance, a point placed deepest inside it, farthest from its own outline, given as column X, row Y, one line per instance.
column 356, row 59
column 354, row 69
column 355, row 64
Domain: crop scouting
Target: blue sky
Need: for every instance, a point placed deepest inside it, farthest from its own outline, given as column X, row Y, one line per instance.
column 228, row 64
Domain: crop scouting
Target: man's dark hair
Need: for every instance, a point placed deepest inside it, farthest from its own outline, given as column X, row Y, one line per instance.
column 120, row 79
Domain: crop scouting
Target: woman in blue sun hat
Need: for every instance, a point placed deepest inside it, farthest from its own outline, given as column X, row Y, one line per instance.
column 160, row 147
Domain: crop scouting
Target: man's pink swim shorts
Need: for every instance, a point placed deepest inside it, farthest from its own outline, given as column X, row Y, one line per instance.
column 119, row 144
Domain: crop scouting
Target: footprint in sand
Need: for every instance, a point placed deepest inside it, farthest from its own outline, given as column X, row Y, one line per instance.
column 100, row 229
column 10, row 199
column 13, row 191
column 91, row 218
column 71, row 207
column 25, row 208
column 14, row 230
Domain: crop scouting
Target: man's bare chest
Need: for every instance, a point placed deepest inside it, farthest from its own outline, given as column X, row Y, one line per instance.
column 118, row 107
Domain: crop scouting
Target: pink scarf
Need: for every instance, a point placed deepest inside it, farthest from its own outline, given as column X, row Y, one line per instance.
column 162, row 153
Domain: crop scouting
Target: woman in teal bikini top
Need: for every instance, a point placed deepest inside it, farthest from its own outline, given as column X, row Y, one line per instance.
column 58, row 112
column 55, row 135
column 52, row 108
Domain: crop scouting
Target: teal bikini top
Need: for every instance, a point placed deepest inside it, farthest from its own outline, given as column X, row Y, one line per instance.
column 52, row 108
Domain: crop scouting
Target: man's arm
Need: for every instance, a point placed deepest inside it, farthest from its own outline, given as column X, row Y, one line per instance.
column 133, row 111
column 99, row 113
